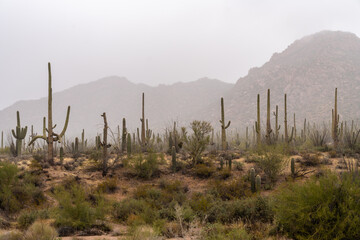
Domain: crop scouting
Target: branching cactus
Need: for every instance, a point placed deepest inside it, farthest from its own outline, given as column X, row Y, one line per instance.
column 277, row 126
column 19, row 134
column 51, row 136
column 223, row 126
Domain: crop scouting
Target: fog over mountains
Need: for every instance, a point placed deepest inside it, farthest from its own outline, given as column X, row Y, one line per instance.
column 308, row 71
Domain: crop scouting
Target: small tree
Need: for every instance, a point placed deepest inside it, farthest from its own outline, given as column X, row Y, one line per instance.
column 196, row 143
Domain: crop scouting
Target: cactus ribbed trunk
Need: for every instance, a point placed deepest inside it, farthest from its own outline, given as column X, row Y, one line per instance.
column 268, row 122
column 143, row 121
column 257, row 124
column 285, row 121
column 223, row 127
column 335, row 122
column 123, row 136
column 50, row 140
column 105, row 146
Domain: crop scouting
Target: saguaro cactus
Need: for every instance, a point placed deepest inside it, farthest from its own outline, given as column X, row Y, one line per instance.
column 335, row 123
column 123, row 136
column 51, row 136
column 257, row 123
column 128, row 142
column 287, row 138
column 277, row 126
column 142, row 119
column 223, row 127
column 252, row 180
column 268, row 122
column 19, row 134
column 105, row 146
column 2, row 140
column 258, row 183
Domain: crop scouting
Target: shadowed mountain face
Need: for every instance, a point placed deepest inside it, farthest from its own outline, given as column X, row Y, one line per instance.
column 308, row 71
column 118, row 98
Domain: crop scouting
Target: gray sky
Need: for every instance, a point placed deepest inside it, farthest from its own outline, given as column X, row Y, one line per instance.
column 157, row 41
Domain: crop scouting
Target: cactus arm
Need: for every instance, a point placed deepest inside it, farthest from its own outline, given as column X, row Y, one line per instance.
column 228, row 125
column 36, row 138
column 65, row 125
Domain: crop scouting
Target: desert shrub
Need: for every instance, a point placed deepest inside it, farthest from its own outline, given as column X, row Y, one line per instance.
column 142, row 232
column 310, row 159
column 109, row 185
column 233, row 189
column 201, row 203
column 196, row 143
column 75, row 212
column 224, row 174
column 12, row 235
column 40, row 231
column 203, row 171
column 272, row 164
column 254, row 209
column 16, row 193
column 123, row 209
column 146, row 168
column 218, row 232
column 27, row 218
column 322, row 208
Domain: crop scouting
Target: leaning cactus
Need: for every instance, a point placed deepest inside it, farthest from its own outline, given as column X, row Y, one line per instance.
column 19, row 134
column 252, row 179
column 223, row 127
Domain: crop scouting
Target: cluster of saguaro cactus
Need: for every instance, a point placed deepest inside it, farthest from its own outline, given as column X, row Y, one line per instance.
column 51, row 136
column 224, row 126
column 19, row 134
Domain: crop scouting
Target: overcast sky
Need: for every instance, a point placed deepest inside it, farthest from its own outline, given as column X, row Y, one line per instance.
column 151, row 41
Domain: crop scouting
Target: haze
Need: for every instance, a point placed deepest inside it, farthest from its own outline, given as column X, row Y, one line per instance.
column 151, row 42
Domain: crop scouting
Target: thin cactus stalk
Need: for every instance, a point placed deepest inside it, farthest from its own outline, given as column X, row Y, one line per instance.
column 173, row 159
column 247, row 142
column 51, row 136
column 176, row 138
column 123, row 136
column 287, row 138
column 258, row 183
column 2, row 139
column 257, row 123
column 223, row 127
column 304, row 131
column 295, row 126
column 268, row 122
column 252, row 180
column 83, row 140
column 19, row 134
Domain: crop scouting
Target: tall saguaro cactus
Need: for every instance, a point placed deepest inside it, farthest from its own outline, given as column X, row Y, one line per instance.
column 257, row 123
column 105, row 146
column 51, row 135
column 19, row 134
column 277, row 126
column 124, row 135
column 268, row 122
column 335, row 123
column 287, row 138
column 223, row 127
column 143, row 121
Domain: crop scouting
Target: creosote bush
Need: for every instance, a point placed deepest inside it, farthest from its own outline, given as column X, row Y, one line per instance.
column 272, row 164
column 321, row 208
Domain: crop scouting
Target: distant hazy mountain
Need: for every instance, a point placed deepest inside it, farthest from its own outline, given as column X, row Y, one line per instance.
column 308, row 71
column 118, row 98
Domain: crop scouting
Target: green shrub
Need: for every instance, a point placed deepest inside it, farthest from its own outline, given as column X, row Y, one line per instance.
column 310, row 159
column 323, row 208
column 122, row 210
column 219, row 232
column 74, row 211
column 16, row 193
column 12, row 235
column 233, row 189
column 108, row 186
column 40, row 231
column 27, row 218
column 272, row 164
column 146, row 168
column 203, row 171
